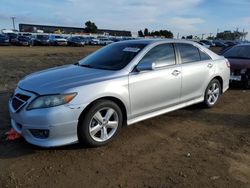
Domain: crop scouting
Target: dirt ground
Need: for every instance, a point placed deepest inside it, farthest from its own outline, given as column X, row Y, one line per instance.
column 192, row 147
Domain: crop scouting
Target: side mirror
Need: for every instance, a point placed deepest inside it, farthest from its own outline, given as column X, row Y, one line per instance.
column 145, row 66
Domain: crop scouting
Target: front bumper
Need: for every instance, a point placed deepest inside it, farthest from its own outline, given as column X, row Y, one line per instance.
column 236, row 78
column 60, row 121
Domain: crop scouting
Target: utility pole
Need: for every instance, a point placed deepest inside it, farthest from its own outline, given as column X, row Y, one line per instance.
column 243, row 36
column 13, row 22
column 178, row 36
column 202, row 35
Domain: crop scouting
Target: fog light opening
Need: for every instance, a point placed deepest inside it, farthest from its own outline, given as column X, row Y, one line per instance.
column 40, row 133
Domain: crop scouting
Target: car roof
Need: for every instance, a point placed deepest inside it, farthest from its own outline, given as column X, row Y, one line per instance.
column 149, row 42
column 152, row 41
column 243, row 44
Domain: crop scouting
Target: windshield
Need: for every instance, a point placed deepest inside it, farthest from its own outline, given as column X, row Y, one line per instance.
column 112, row 57
column 58, row 37
column 45, row 37
column 23, row 38
column 241, row 52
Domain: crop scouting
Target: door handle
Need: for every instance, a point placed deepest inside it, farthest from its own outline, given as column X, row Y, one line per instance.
column 210, row 65
column 176, row 72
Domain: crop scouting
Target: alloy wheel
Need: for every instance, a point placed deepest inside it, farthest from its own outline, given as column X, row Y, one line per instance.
column 103, row 124
column 213, row 93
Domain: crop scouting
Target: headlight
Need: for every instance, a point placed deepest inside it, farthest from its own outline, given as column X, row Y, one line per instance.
column 50, row 101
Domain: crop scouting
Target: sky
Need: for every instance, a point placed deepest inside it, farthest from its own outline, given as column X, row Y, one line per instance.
column 180, row 16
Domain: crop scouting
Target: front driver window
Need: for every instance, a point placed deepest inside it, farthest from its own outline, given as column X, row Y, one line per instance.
column 162, row 54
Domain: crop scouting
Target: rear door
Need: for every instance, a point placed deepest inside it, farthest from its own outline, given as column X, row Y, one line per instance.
column 197, row 70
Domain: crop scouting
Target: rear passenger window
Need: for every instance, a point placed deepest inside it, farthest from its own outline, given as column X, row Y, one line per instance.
column 188, row 53
column 204, row 56
column 162, row 54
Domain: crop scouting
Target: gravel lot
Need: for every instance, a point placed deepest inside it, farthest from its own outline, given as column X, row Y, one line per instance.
column 192, row 147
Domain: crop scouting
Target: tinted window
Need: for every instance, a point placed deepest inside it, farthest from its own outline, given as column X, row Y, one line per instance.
column 241, row 52
column 204, row 56
column 162, row 54
column 113, row 57
column 42, row 36
column 188, row 53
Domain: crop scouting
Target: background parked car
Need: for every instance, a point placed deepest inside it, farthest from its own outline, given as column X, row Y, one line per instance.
column 220, row 44
column 87, row 40
column 239, row 58
column 203, row 44
column 76, row 41
column 95, row 41
column 41, row 39
column 22, row 41
column 12, row 37
column 105, row 41
column 57, row 40
column 4, row 40
column 208, row 42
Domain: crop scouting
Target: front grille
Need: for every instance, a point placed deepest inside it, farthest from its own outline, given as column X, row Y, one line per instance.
column 19, row 100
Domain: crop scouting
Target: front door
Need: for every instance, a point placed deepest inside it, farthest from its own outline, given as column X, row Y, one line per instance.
column 156, row 89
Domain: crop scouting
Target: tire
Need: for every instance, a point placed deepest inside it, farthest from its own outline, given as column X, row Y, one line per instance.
column 246, row 81
column 105, row 119
column 212, row 93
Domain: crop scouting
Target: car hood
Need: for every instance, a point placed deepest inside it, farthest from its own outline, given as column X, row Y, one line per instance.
column 239, row 63
column 61, row 40
column 59, row 79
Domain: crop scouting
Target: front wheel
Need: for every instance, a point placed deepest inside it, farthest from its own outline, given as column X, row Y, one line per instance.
column 212, row 93
column 100, row 124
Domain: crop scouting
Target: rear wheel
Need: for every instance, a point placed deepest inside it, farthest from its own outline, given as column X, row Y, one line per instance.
column 100, row 124
column 212, row 93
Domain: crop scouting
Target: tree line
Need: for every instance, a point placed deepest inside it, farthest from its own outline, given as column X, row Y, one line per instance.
column 160, row 33
column 225, row 35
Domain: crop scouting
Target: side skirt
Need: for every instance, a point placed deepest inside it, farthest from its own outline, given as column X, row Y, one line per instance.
column 163, row 111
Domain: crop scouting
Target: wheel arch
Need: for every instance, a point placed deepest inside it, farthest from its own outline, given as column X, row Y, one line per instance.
column 110, row 98
column 219, row 78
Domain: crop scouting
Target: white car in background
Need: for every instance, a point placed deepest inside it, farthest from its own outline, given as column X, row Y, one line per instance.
column 57, row 40
column 95, row 41
column 105, row 41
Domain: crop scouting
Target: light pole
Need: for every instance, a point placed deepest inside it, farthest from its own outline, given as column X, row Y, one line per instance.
column 13, row 22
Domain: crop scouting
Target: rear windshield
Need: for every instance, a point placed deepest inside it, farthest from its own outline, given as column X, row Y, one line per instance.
column 240, row 52
column 112, row 57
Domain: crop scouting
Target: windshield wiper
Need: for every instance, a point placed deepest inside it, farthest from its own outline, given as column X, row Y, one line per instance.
column 83, row 65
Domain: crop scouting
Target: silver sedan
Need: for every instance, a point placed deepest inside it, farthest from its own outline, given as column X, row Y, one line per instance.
column 120, row 84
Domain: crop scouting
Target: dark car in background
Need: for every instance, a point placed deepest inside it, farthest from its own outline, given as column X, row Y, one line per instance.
column 22, row 41
column 4, row 40
column 207, row 42
column 231, row 43
column 12, row 37
column 239, row 58
column 76, row 41
column 41, row 40
column 220, row 44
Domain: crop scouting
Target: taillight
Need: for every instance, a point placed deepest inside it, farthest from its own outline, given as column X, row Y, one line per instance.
column 228, row 63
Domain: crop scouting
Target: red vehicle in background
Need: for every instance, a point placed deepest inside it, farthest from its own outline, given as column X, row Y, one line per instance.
column 239, row 58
